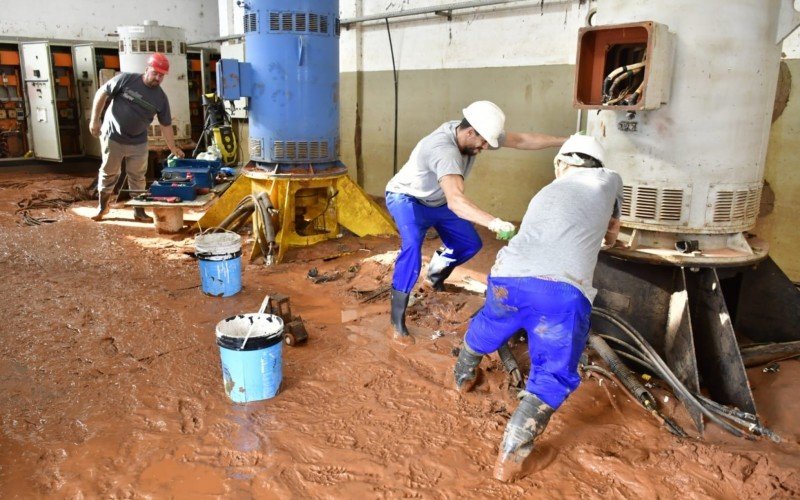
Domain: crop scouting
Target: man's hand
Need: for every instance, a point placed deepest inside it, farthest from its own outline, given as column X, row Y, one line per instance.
column 504, row 230
column 178, row 152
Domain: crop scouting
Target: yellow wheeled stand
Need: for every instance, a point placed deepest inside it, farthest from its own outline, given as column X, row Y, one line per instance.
column 310, row 209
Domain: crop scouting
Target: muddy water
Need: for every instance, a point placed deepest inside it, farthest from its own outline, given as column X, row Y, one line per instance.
column 110, row 386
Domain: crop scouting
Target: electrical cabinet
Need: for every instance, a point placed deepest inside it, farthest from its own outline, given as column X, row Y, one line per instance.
column 626, row 67
column 13, row 126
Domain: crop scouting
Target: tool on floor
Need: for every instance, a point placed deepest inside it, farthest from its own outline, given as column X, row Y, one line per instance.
column 294, row 330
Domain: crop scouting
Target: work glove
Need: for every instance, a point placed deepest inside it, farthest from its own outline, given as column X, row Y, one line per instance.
column 504, row 230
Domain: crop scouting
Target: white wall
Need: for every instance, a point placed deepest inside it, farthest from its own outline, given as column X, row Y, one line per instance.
column 96, row 20
column 524, row 33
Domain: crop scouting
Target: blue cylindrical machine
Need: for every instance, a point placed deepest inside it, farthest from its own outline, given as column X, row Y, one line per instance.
column 292, row 50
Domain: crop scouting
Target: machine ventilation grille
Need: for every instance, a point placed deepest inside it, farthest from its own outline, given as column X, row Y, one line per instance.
column 300, row 150
column 671, row 204
column 738, row 205
column 646, row 203
column 627, row 193
column 298, row 22
column 250, row 22
column 255, row 148
column 653, row 203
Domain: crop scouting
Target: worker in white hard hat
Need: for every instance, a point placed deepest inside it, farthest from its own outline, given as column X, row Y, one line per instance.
column 429, row 192
column 542, row 282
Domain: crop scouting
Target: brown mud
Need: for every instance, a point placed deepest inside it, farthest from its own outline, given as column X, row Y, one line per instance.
column 110, row 384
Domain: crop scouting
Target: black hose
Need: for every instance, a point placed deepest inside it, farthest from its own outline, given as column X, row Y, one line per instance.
column 622, row 372
column 246, row 206
column 664, row 371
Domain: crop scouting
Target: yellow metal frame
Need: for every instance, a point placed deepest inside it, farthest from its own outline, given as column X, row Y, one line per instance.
column 348, row 205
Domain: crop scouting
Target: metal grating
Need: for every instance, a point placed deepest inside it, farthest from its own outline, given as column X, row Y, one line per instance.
column 255, row 148
column 286, row 21
column 299, row 21
column 627, row 193
column 736, row 206
column 250, row 22
column 300, row 150
column 646, row 203
column 671, row 205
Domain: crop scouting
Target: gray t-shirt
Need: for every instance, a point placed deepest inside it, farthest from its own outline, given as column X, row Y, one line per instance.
column 435, row 156
column 132, row 108
column 563, row 229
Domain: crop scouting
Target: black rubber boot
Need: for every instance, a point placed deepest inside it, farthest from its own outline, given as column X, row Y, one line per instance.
column 104, row 199
column 438, row 270
column 526, row 424
column 139, row 215
column 466, row 369
column 399, row 304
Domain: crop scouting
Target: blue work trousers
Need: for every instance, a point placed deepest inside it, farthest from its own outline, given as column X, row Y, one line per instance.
column 555, row 316
column 413, row 220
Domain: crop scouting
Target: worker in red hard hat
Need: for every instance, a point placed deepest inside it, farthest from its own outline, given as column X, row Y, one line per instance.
column 136, row 98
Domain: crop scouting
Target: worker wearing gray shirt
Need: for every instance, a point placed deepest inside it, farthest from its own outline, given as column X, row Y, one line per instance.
column 429, row 192
column 542, row 283
column 135, row 100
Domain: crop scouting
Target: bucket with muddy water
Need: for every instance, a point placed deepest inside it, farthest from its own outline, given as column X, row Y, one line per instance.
column 250, row 348
column 220, row 258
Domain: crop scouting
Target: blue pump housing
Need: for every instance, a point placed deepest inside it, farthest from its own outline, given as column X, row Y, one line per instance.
column 292, row 80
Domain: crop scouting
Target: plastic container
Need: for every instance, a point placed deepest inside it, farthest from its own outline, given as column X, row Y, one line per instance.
column 252, row 372
column 220, row 259
column 203, row 177
column 183, row 189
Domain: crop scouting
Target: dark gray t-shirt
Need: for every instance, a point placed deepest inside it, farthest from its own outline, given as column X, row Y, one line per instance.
column 435, row 156
column 562, row 230
column 133, row 106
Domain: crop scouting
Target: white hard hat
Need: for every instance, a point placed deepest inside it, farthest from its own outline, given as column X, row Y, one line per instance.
column 585, row 144
column 487, row 119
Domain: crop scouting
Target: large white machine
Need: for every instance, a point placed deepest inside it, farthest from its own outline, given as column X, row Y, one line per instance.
column 692, row 148
column 136, row 44
column 681, row 95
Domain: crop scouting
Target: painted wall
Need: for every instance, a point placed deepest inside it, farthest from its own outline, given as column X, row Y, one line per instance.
column 521, row 56
column 96, row 20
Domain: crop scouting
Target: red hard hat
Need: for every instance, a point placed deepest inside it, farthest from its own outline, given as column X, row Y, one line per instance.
column 159, row 62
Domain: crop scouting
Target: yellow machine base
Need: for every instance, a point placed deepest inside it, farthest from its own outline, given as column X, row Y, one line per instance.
column 225, row 204
column 310, row 210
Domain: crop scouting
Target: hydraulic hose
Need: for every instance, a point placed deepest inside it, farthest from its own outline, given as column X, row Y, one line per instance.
column 622, row 372
column 665, row 372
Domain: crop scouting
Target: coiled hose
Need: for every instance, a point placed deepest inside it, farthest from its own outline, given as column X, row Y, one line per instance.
column 647, row 357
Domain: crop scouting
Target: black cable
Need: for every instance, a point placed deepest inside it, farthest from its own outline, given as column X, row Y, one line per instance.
column 394, row 73
column 665, row 372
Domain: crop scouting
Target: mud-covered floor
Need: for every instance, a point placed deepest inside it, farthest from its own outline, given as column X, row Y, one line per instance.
column 110, row 384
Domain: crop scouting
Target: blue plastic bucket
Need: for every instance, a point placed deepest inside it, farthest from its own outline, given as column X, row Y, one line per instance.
column 220, row 258
column 255, row 371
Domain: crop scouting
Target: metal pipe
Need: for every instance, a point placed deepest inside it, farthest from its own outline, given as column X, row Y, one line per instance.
column 435, row 9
